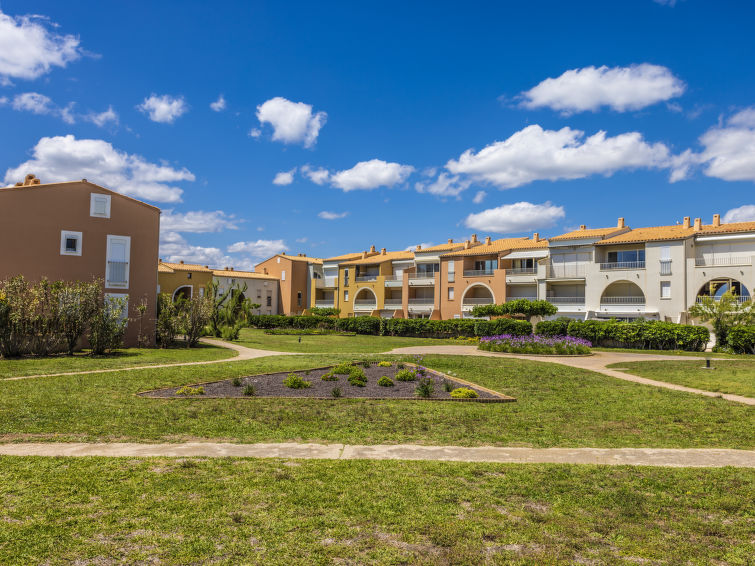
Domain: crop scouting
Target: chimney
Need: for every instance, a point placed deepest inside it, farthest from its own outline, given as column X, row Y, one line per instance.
column 686, row 222
column 582, row 227
column 283, row 253
column 181, row 262
column 716, row 220
column 487, row 240
column 264, row 270
column 364, row 255
column 231, row 269
column 620, row 223
column 372, row 249
column 207, row 267
column 29, row 179
column 419, row 247
column 466, row 245
column 698, row 224
column 536, row 236
column 450, row 240
column 225, row 268
column 160, row 260
column 382, row 251
column 474, row 238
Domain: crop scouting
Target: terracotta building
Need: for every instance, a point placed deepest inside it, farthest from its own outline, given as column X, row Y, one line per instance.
column 295, row 274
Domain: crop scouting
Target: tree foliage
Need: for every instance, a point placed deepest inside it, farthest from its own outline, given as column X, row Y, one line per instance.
column 723, row 314
column 524, row 307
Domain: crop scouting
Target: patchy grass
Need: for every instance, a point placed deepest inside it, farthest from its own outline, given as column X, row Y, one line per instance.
column 231, row 511
column 556, row 406
column 128, row 357
column 737, row 377
column 253, row 338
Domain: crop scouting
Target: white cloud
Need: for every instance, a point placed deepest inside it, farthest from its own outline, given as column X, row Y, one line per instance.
column 422, row 245
column 444, row 186
column 729, row 150
column 33, row 102
column 255, row 133
column 65, row 158
column 219, row 105
column 102, row 118
column 318, row 176
column 325, row 215
column 29, row 49
column 259, row 248
column 517, row 217
column 479, row 197
column 619, row 88
column 671, row 3
column 164, row 109
column 175, row 248
column 284, row 177
column 198, row 221
column 301, row 240
column 534, row 154
column 368, row 175
column 292, row 122
column 745, row 213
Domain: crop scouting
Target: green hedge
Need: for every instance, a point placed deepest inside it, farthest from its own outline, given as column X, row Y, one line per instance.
column 742, row 339
column 646, row 335
column 558, row 327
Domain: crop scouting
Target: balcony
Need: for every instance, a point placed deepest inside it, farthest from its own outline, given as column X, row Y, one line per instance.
column 509, row 299
column 738, row 299
column 617, row 265
column 117, row 274
column 365, row 305
column 393, row 303
column 566, row 271
column 722, row 261
column 393, row 280
column 365, row 278
column 417, row 302
column 421, row 279
column 566, row 300
column 474, row 301
column 326, row 283
column 479, row 272
column 622, row 300
column 324, row 304
column 521, row 271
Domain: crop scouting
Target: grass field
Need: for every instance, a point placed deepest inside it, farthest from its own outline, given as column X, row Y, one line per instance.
column 680, row 353
column 556, row 406
column 737, row 377
column 128, row 357
column 231, row 511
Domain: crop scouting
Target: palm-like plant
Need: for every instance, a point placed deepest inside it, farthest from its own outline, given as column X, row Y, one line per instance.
column 723, row 314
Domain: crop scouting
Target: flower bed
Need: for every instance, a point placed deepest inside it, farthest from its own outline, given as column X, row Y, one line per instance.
column 536, row 344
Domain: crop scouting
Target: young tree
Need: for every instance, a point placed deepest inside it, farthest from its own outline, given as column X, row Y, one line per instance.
column 77, row 305
column 167, row 320
column 107, row 325
column 194, row 315
column 723, row 314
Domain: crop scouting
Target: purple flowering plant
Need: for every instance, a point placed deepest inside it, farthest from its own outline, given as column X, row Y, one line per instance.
column 535, row 344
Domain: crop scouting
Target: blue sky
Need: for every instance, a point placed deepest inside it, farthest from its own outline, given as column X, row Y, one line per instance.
column 391, row 124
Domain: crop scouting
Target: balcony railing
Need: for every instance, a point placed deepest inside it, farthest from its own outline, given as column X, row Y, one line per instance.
column 509, row 299
column 326, row 282
column 622, row 300
column 566, row 271
column 365, row 304
column 521, row 271
column 715, row 261
column 622, row 265
column 362, row 278
column 425, row 275
column 116, row 273
column 415, row 302
column 738, row 299
column 393, row 302
column 393, row 277
column 665, row 267
column 566, row 300
column 478, row 301
column 324, row 304
column 478, row 272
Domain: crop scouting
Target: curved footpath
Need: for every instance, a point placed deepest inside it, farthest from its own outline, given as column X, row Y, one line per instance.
column 597, row 363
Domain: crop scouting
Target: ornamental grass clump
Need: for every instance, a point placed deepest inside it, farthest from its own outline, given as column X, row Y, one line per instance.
column 425, row 388
column 535, row 344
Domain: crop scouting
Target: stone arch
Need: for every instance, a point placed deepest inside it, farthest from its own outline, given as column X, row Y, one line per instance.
column 183, row 292
column 720, row 285
column 360, row 296
column 478, row 291
column 622, row 292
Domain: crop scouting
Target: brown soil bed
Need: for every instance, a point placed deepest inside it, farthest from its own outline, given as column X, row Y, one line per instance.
column 271, row 385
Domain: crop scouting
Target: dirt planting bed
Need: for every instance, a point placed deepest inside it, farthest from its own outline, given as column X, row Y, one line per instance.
column 272, row 385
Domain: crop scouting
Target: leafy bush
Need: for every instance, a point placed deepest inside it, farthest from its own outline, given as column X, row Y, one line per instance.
column 307, row 332
column 524, row 307
column 342, row 369
column 385, row 381
column 168, row 322
column 448, row 386
column 330, row 376
column 325, row 311
column 107, row 325
column 336, row 392
column 464, row 393
column 295, row 381
column 558, row 327
column 236, row 381
column 188, row 390
column 400, row 365
column 230, row 333
column 724, row 313
column 385, row 364
column 503, row 326
column 535, row 344
column 649, row 335
column 425, row 388
column 742, row 339
column 249, row 390
column 194, row 314
column 405, row 375
column 357, row 377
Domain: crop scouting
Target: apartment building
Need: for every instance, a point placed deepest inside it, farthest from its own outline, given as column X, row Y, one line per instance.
column 295, row 274
column 259, row 288
column 182, row 280
column 79, row 231
column 327, row 281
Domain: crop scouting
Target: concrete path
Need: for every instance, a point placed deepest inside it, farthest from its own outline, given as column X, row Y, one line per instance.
column 703, row 458
column 243, row 354
column 596, row 363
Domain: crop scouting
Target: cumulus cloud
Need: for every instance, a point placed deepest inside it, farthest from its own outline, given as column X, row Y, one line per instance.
column 479, row 197
column 745, row 213
column 175, row 248
column 534, row 154
column 219, row 105
column 729, row 150
column 326, row 215
column 164, row 109
column 284, row 177
column 198, row 221
column 292, row 122
column 444, row 186
column 619, row 88
column 368, row 175
column 259, row 248
column 65, row 158
column 517, row 217
column 318, row 176
column 103, row 118
column 33, row 102
column 29, row 47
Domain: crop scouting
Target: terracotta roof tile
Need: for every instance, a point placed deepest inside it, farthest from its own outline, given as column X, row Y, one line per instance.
column 241, row 274
column 497, row 246
column 588, row 233
column 186, row 267
column 441, row 247
column 344, row 257
column 380, row 258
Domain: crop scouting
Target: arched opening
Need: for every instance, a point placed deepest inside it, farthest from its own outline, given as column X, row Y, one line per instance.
column 477, row 294
column 717, row 287
column 622, row 293
column 182, row 293
column 365, row 300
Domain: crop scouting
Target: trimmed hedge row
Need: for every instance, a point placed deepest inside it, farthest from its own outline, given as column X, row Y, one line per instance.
column 558, row 327
column 414, row 327
column 742, row 339
column 646, row 335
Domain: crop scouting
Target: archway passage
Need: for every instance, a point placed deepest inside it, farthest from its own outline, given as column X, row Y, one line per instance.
column 478, row 294
column 182, row 293
column 717, row 287
column 622, row 293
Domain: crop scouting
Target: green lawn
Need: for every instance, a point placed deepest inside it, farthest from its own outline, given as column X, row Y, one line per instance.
column 557, row 406
column 128, row 357
column 253, row 338
column 679, row 353
column 232, row 511
column 737, row 377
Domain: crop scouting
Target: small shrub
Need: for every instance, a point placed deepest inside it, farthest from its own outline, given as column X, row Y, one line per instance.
column 336, row 392
column 236, row 382
column 188, row 390
column 330, row 376
column 405, row 375
column 385, row 381
column 342, row 369
column 366, row 364
column 249, row 390
column 464, row 393
column 295, row 381
column 424, row 388
column 230, row 333
column 421, row 371
column 384, row 364
column 448, row 386
column 400, row 365
column 357, row 377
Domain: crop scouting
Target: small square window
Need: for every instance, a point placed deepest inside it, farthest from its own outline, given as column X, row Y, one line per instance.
column 665, row 289
column 70, row 243
column 99, row 205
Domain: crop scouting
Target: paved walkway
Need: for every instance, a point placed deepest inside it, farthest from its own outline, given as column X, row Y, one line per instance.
column 703, row 458
column 243, row 353
column 596, row 363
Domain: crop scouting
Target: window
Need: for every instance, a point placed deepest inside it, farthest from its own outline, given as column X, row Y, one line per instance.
column 118, row 257
column 525, row 263
column 665, row 289
column 188, row 275
column 428, row 269
column 450, row 293
column 451, row 271
column 298, row 299
column 626, row 256
column 70, row 243
column 279, row 259
column 346, row 296
column 99, row 205
column 283, row 275
column 269, row 300
column 487, row 265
